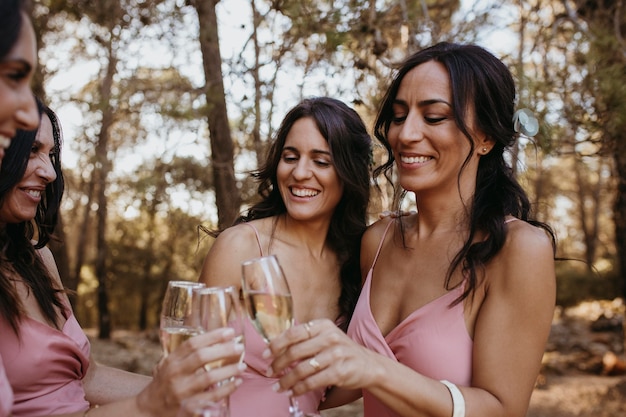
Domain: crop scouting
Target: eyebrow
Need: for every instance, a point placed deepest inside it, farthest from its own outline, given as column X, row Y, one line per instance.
column 424, row 103
column 26, row 66
column 314, row 151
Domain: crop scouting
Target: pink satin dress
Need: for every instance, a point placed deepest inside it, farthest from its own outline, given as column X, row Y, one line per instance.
column 255, row 396
column 45, row 366
column 6, row 393
column 433, row 340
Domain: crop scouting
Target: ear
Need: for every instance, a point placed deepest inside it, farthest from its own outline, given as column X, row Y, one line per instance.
column 484, row 145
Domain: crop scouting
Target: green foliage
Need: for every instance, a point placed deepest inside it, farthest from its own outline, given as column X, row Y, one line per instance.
column 575, row 284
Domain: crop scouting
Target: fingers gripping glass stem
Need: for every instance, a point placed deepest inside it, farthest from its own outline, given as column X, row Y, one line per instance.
column 268, row 303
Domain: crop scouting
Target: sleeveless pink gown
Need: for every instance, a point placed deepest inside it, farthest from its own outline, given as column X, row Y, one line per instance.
column 255, row 397
column 45, row 366
column 433, row 340
column 6, row 393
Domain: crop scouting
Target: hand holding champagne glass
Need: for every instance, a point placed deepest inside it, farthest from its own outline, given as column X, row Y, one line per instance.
column 268, row 302
column 218, row 307
column 176, row 326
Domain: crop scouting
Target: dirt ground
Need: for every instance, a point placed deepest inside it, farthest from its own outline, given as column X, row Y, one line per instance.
column 583, row 372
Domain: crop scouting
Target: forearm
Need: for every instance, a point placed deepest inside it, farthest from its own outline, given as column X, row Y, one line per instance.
column 127, row 407
column 109, row 384
column 411, row 394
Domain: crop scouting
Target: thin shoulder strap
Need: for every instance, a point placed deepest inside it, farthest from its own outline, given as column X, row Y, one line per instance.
column 380, row 244
column 258, row 238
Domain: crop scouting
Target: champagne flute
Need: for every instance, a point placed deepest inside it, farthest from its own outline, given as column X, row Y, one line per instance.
column 214, row 308
column 268, row 303
column 176, row 325
column 217, row 307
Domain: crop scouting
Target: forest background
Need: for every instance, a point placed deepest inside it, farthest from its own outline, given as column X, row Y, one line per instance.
column 167, row 104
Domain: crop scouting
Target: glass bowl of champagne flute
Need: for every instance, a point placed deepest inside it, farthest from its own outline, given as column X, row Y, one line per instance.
column 176, row 315
column 218, row 307
column 268, row 303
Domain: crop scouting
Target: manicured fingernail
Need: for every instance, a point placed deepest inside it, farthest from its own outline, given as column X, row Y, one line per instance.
column 228, row 332
column 269, row 373
column 242, row 366
column 238, row 347
column 276, row 387
column 238, row 381
column 266, row 354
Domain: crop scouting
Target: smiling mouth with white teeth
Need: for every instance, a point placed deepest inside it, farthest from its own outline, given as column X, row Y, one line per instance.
column 303, row 192
column 34, row 193
column 415, row 159
column 5, row 142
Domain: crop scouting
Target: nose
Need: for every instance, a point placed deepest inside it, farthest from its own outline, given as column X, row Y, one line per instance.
column 302, row 169
column 45, row 168
column 412, row 128
column 27, row 115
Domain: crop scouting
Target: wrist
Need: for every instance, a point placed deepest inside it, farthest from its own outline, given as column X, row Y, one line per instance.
column 458, row 401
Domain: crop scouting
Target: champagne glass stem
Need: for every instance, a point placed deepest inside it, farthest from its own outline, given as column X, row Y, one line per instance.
column 294, row 409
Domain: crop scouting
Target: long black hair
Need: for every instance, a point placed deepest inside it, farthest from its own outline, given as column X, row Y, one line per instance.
column 350, row 149
column 19, row 254
column 11, row 23
column 481, row 82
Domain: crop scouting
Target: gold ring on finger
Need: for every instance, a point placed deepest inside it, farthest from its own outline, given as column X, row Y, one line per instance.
column 315, row 364
column 307, row 327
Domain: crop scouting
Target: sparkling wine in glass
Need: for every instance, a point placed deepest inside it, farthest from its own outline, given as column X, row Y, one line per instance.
column 214, row 308
column 268, row 302
column 218, row 307
column 176, row 322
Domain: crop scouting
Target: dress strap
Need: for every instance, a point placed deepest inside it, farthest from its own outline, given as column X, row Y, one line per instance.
column 380, row 244
column 512, row 219
column 258, row 238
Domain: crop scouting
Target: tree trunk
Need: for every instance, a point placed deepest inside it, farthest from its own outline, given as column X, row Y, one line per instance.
column 256, row 130
column 227, row 195
column 619, row 212
column 59, row 250
column 81, row 242
column 103, row 167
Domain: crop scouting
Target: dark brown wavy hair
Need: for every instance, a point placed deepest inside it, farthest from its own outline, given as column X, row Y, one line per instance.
column 18, row 254
column 482, row 82
column 350, row 148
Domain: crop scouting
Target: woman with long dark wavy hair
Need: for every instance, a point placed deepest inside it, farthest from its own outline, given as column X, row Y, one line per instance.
column 46, row 354
column 18, row 60
column 458, row 298
column 314, row 192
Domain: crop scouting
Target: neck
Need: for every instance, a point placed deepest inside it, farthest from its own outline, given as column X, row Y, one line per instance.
column 442, row 215
column 309, row 235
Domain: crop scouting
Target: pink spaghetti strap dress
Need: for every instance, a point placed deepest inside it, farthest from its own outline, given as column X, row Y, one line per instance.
column 45, row 366
column 432, row 340
column 255, row 396
column 6, row 393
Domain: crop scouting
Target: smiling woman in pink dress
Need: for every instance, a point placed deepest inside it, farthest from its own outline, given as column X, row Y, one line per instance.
column 458, row 298
column 45, row 353
column 18, row 59
column 314, row 191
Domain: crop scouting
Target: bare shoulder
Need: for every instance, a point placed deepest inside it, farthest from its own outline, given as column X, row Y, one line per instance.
column 48, row 260
column 46, row 256
column 527, row 258
column 50, row 263
column 374, row 232
column 371, row 240
column 236, row 236
column 223, row 261
column 526, row 240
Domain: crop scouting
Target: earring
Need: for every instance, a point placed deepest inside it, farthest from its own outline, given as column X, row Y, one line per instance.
column 484, row 150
